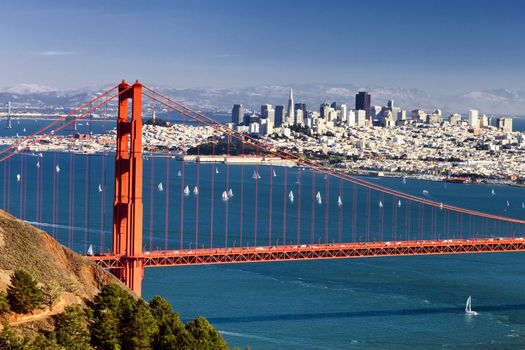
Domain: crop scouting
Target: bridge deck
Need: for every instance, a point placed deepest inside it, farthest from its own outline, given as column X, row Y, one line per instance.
column 315, row 252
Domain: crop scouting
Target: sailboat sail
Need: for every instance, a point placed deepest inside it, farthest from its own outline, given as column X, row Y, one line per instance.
column 230, row 193
column 17, row 177
column 57, row 168
column 160, row 187
column 216, row 170
column 90, row 250
column 224, row 196
column 290, row 196
column 274, row 174
column 186, row 191
column 179, row 174
column 196, row 191
column 99, row 187
column 468, row 306
column 255, row 175
column 318, row 198
column 493, row 193
column 339, row 201
column 380, row 204
column 399, row 203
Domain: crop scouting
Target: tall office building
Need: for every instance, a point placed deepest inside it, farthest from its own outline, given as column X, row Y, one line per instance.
column 473, row 118
column 362, row 102
column 342, row 113
column 290, row 111
column 334, row 105
column 323, row 109
column 300, row 107
column 237, row 114
column 267, row 112
column 279, row 116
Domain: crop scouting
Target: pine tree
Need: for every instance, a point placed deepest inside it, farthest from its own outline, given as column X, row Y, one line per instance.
column 206, row 337
column 107, row 310
column 43, row 343
column 4, row 303
column 171, row 334
column 71, row 329
column 138, row 327
column 11, row 340
column 23, row 294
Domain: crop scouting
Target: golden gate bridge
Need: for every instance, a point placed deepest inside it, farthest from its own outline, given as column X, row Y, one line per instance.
column 354, row 217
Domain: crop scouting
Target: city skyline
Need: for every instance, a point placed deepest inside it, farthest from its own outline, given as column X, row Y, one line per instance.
column 427, row 45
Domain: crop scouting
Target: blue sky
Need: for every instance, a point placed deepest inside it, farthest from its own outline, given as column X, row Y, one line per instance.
column 438, row 46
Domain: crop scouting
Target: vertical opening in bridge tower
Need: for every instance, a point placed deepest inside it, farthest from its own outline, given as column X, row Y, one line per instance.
column 127, row 204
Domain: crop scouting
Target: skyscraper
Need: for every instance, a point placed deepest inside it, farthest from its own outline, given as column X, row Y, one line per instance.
column 362, row 102
column 290, row 111
column 279, row 116
column 473, row 118
column 300, row 107
column 237, row 114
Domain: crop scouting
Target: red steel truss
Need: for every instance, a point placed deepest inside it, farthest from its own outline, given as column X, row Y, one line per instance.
column 315, row 252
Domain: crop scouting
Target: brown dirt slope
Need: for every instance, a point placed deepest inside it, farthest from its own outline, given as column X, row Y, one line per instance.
column 24, row 246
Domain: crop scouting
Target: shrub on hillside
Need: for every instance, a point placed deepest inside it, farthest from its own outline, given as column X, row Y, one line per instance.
column 4, row 303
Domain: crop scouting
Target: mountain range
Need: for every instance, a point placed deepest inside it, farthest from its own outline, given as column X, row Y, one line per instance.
column 497, row 101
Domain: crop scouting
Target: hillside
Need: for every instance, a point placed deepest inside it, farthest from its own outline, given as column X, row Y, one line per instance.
column 73, row 276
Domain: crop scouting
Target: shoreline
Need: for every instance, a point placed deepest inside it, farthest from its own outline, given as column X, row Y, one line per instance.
column 275, row 161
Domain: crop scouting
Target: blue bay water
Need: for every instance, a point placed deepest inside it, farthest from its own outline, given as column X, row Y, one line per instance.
column 376, row 303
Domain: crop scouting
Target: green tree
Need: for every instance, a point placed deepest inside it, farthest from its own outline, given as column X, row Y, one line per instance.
column 205, row 336
column 138, row 327
column 171, row 333
column 71, row 330
column 11, row 340
column 23, row 294
column 108, row 309
column 4, row 303
column 43, row 343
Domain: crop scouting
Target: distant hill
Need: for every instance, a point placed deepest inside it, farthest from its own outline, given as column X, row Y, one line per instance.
column 495, row 101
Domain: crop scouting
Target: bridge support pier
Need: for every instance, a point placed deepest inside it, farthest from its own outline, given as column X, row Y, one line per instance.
column 127, row 204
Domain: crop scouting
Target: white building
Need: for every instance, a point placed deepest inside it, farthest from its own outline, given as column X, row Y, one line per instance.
column 360, row 115
column 473, row 118
column 342, row 114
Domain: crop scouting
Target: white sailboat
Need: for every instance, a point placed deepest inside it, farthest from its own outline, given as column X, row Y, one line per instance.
column 318, row 198
column 468, row 307
column 99, row 187
column 230, row 193
column 399, row 203
column 195, row 191
column 216, row 170
column 440, row 206
column 38, row 164
column 380, row 204
column 160, row 187
column 325, row 177
column 339, row 202
column 522, row 205
column 290, row 196
column 404, row 179
column 179, row 174
column 57, row 168
column 225, row 196
column 425, row 193
column 17, row 177
column 255, row 175
column 493, row 193
column 508, row 204
column 186, row 191
column 90, row 250
column 274, row 174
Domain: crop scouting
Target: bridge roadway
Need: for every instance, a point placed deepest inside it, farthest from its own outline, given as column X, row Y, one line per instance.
column 314, row 252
